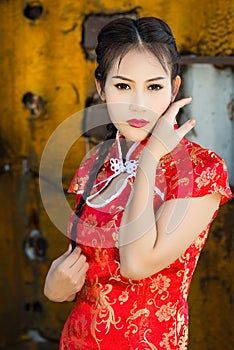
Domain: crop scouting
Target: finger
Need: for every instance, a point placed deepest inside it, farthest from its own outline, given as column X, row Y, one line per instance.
column 174, row 108
column 84, row 269
column 186, row 127
column 68, row 251
column 78, row 265
column 71, row 258
column 80, row 277
column 69, row 247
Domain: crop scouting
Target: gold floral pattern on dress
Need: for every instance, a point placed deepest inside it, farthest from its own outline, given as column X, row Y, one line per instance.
column 166, row 311
column 201, row 240
column 80, row 325
column 169, row 340
column 160, row 284
column 101, row 257
column 103, row 312
column 182, row 330
column 80, row 183
column 116, row 209
column 151, row 313
column 109, row 224
column 145, row 341
column 159, row 288
column 90, row 223
column 115, row 237
column 102, row 174
column 218, row 189
column 123, row 297
column 206, row 177
column 132, row 320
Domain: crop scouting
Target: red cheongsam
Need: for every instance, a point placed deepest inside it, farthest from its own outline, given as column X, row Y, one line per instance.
column 113, row 312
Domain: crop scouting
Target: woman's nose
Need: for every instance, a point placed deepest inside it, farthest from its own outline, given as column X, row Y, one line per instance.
column 136, row 108
column 138, row 103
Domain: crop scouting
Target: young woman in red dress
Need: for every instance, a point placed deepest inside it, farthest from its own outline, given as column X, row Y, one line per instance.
column 145, row 200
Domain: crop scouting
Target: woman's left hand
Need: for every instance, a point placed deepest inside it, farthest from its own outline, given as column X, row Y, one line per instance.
column 164, row 136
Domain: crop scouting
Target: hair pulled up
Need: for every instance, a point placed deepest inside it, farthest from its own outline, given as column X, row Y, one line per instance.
column 115, row 40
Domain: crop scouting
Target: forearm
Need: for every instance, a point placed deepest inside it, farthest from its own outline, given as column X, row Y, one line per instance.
column 147, row 248
column 158, row 239
column 138, row 230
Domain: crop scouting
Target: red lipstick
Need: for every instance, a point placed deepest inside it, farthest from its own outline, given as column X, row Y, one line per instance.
column 137, row 123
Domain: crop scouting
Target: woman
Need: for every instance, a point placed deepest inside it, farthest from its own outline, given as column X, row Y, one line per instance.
column 145, row 202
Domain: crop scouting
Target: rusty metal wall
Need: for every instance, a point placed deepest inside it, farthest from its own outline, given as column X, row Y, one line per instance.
column 46, row 76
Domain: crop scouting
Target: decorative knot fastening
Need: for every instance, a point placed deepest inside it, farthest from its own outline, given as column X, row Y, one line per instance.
column 118, row 166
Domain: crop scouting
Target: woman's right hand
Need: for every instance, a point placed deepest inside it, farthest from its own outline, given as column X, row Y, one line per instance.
column 164, row 135
column 66, row 276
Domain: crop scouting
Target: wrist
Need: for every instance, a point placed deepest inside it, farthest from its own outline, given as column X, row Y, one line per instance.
column 156, row 148
column 150, row 156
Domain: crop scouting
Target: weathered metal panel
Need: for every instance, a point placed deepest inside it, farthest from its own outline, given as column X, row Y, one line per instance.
column 212, row 90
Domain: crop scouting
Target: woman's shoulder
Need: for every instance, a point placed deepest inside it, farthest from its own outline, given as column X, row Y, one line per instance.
column 190, row 155
column 81, row 176
column 204, row 158
column 196, row 171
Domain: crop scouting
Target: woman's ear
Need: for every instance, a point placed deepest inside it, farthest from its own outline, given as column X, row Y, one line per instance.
column 100, row 91
column 175, row 87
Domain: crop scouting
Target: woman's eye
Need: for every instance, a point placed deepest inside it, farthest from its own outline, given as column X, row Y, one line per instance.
column 155, row 87
column 122, row 86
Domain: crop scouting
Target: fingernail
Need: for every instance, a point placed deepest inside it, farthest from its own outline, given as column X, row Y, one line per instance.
column 192, row 121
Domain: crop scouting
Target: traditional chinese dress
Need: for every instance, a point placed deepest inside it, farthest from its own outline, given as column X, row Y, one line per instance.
column 112, row 311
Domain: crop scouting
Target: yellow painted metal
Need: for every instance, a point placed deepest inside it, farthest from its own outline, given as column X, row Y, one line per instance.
column 45, row 57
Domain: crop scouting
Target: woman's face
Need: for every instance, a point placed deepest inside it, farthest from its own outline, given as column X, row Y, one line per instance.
column 137, row 93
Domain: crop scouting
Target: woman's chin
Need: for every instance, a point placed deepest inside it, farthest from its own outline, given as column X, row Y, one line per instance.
column 135, row 134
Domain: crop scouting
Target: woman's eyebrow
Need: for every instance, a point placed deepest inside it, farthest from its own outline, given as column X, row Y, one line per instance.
column 122, row 78
column 157, row 78
column 130, row 80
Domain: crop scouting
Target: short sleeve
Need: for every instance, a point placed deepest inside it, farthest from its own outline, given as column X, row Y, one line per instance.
column 202, row 172
column 211, row 176
column 81, row 176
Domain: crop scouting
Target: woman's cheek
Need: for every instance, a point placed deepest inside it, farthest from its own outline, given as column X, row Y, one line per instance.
column 162, row 109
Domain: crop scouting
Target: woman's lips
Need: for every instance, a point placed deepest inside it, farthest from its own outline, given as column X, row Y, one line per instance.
column 137, row 123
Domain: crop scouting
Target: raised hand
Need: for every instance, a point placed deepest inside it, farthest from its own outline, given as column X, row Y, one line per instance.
column 164, row 136
column 66, row 276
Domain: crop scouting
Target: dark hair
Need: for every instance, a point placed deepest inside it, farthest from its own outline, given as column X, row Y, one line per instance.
column 115, row 40
column 98, row 163
column 120, row 36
